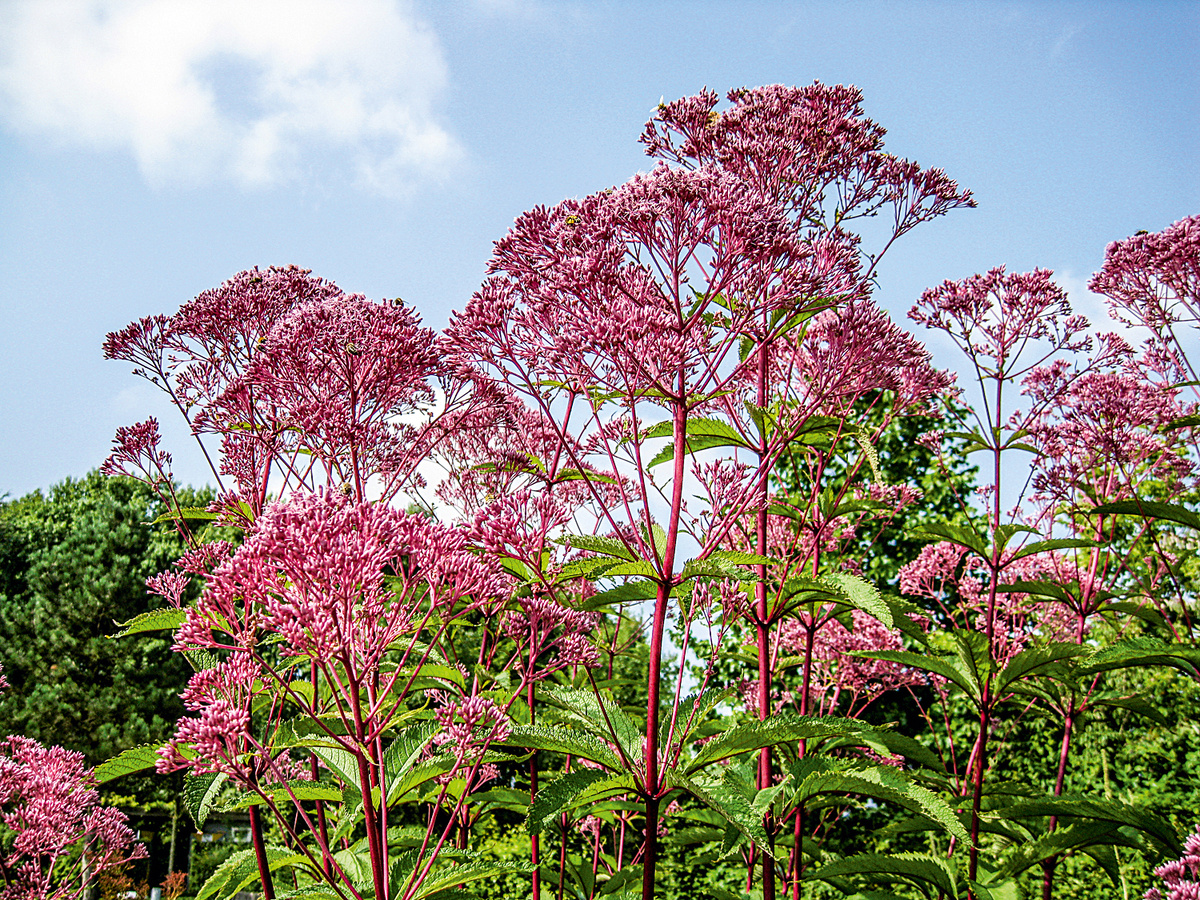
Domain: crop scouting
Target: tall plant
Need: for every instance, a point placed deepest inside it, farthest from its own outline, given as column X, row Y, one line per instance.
column 713, row 305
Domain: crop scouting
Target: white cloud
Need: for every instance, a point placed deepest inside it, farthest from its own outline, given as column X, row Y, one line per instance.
column 1094, row 306
column 262, row 92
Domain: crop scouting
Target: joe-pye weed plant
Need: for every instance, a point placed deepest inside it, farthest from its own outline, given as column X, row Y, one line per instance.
column 376, row 670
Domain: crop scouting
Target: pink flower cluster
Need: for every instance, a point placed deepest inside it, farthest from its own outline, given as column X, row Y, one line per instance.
column 847, row 353
column 543, row 626
column 794, row 143
column 1101, row 433
column 50, row 806
column 957, row 581
column 838, row 676
column 1153, row 279
column 1181, row 878
column 995, row 318
column 136, row 454
column 469, row 726
column 302, row 384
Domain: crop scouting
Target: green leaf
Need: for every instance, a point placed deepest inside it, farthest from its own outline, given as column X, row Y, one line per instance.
column 728, row 801
column 961, row 667
column 700, row 434
column 871, row 454
column 1148, row 509
column 442, row 673
column 590, row 567
column 955, row 534
column 629, row 592
column 199, row 794
column 201, row 660
column 571, row 790
column 340, row 761
column 638, row 569
column 1106, row 857
column 909, row 867
column 308, row 892
column 598, row 714
column 406, row 751
column 860, row 594
column 1055, row 544
column 198, row 513
column 563, row 740
column 1111, row 811
column 783, row 728
column 296, row 791
column 1029, row 661
column 656, row 537
column 724, row 564
column 1005, row 533
column 589, row 475
column 127, row 762
column 1139, row 652
column 451, row 876
column 601, row 545
column 168, row 618
column 815, row 775
column 1074, row 836
column 241, row 870
column 1138, row 705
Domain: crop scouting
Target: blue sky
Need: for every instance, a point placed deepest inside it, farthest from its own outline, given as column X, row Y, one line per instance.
column 150, row 149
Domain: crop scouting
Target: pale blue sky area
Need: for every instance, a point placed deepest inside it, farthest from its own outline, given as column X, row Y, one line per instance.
column 150, row 150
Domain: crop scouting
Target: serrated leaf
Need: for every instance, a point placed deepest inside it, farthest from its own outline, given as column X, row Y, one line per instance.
column 700, row 434
column 629, row 592
column 598, row 714
column 590, row 567
column 1141, row 651
column 871, row 454
column 1033, row 660
column 728, row 802
column 340, row 761
column 200, row 660
column 241, row 869
column 1148, row 509
column 1047, row 846
column 815, row 775
column 127, row 762
column 571, row 790
column 562, row 740
column 962, row 537
column 407, row 749
column 589, row 475
column 195, row 513
column 296, row 791
column 448, row 878
column 308, row 892
column 785, row 727
column 860, row 594
column 168, row 618
column 601, row 545
column 1111, row 811
column 638, row 569
column 948, row 667
column 1105, row 856
column 910, row 867
column 1049, row 545
column 199, row 794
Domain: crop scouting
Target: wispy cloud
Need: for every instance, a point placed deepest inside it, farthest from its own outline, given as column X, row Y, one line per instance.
column 1062, row 45
column 263, row 93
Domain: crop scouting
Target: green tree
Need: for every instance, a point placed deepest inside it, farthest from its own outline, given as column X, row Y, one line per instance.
column 73, row 564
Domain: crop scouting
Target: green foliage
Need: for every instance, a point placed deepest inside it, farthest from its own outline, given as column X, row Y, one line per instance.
column 945, row 486
column 73, row 564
